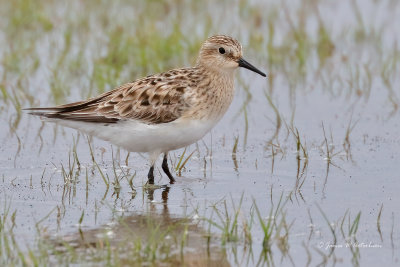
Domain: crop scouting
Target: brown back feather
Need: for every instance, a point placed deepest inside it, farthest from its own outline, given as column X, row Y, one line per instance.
column 153, row 100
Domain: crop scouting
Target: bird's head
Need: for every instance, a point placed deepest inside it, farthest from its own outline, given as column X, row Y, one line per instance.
column 223, row 53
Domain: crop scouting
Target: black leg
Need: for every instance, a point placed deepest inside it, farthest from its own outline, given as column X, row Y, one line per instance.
column 166, row 169
column 150, row 176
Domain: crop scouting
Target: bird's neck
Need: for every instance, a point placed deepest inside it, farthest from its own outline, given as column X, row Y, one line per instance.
column 217, row 73
column 216, row 90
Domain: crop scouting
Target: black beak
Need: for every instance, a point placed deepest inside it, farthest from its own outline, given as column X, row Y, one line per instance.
column 243, row 63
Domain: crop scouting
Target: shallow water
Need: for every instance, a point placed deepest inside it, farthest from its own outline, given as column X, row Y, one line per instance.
column 344, row 102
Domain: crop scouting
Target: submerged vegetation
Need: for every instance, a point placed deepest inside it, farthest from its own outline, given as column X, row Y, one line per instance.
column 302, row 171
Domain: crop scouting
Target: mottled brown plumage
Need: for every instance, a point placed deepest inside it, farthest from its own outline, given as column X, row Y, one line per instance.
column 161, row 112
column 154, row 99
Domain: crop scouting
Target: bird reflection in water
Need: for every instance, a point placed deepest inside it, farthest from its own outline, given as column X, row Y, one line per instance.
column 174, row 240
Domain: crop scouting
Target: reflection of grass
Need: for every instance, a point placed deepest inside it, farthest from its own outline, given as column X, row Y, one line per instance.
column 351, row 238
column 182, row 161
column 329, row 150
column 88, row 47
column 235, row 227
column 160, row 239
column 227, row 223
column 333, row 231
column 346, row 142
column 136, row 241
column 109, row 50
column 378, row 223
column 91, row 54
column 234, row 150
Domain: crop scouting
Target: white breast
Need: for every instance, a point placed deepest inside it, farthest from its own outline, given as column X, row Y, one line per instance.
column 136, row 136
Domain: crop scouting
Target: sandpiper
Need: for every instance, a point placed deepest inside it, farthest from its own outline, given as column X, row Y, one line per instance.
column 160, row 112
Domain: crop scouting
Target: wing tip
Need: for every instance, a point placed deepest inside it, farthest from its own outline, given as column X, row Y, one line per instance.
column 40, row 108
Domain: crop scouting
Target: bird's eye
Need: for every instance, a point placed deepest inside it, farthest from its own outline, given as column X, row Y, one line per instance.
column 221, row 50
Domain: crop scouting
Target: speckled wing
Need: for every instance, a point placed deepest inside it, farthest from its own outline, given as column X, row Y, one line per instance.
column 153, row 100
